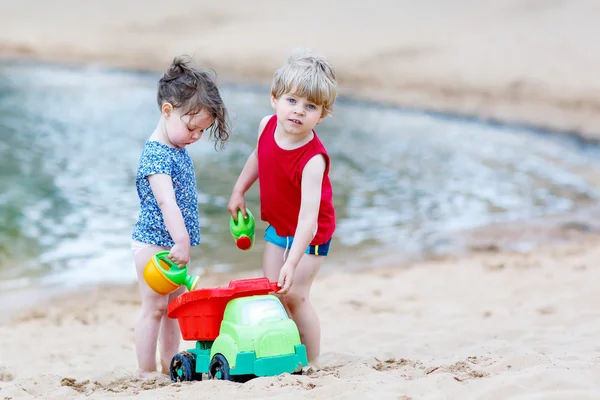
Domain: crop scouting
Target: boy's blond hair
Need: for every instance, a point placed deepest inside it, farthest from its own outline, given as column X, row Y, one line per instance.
column 307, row 75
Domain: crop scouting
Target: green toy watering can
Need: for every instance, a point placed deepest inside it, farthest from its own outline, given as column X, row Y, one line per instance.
column 243, row 229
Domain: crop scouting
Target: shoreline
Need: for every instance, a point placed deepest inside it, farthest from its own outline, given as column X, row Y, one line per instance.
column 519, row 237
column 555, row 116
column 479, row 240
column 471, row 241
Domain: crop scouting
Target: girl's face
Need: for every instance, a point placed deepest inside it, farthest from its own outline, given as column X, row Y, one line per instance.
column 183, row 130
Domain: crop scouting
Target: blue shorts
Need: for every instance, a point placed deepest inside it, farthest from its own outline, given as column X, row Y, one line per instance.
column 286, row 242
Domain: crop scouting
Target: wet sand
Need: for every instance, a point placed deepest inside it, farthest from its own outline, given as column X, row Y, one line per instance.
column 491, row 324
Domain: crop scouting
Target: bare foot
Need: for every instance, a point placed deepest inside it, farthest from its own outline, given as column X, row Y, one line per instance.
column 315, row 364
column 148, row 375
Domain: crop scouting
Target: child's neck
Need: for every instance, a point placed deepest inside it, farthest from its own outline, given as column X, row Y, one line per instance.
column 288, row 141
column 159, row 135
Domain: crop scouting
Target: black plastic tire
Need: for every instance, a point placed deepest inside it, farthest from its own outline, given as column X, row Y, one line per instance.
column 219, row 368
column 183, row 368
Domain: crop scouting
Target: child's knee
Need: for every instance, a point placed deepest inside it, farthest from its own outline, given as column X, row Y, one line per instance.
column 295, row 300
column 155, row 309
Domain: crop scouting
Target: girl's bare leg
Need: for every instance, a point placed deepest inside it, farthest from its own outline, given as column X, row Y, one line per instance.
column 170, row 335
column 154, row 307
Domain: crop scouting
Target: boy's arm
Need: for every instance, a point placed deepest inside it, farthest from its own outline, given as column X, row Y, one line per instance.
column 249, row 174
column 312, row 180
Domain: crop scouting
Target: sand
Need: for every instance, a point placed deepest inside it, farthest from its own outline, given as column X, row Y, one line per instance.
column 486, row 326
column 490, row 324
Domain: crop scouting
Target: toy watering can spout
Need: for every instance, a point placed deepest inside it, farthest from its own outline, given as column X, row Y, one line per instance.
column 164, row 276
column 243, row 229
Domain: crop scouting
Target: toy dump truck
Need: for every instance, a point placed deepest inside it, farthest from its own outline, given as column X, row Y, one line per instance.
column 241, row 332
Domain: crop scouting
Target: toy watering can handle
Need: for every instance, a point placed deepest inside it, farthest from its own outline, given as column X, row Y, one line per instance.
column 240, row 217
column 162, row 256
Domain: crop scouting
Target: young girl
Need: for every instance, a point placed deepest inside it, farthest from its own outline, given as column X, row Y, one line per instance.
column 292, row 167
column 190, row 104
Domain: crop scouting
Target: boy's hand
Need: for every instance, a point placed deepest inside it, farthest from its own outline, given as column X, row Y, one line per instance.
column 236, row 202
column 286, row 278
column 180, row 254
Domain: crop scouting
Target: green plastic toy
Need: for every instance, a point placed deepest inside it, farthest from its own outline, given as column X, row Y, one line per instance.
column 243, row 230
column 241, row 332
column 257, row 338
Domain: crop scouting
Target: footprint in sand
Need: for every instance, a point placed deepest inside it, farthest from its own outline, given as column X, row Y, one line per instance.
column 5, row 376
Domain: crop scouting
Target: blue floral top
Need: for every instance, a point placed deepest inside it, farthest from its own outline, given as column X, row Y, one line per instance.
column 158, row 158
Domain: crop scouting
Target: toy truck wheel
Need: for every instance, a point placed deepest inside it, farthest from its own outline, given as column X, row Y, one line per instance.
column 183, row 367
column 219, row 368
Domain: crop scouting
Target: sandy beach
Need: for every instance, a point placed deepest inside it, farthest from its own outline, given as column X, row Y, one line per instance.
column 490, row 324
column 486, row 326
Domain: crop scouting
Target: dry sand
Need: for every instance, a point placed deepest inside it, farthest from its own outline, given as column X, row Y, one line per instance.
column 489, row 325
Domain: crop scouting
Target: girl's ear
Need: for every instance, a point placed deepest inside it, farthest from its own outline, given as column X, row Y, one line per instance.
column 273, row 102
column 166, row 110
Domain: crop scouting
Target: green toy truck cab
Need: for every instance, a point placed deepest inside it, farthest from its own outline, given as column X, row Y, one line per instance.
column 256, row 338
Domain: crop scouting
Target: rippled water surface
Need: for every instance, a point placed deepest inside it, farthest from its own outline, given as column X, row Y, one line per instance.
column 70, row 139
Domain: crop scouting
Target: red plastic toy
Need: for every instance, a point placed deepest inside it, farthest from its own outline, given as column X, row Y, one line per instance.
column 200, row 312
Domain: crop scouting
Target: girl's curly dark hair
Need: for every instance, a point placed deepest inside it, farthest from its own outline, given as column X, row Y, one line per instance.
column 194, row 89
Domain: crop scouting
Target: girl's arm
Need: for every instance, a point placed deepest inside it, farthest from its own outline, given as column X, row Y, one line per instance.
column 162, row 188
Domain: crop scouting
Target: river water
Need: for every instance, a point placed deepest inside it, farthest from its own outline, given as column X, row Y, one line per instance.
column 404, row 181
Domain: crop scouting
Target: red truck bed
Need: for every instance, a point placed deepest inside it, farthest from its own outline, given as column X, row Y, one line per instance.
column 200, row 312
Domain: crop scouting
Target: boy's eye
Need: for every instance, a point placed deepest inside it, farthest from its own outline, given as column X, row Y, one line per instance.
column 291, row 100
column 312, row 106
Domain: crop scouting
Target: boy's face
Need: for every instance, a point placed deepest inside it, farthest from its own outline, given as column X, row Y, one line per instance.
column 296, row 114
column 183, row 130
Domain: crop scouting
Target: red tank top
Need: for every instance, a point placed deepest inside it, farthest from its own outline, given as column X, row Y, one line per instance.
column 280, row 176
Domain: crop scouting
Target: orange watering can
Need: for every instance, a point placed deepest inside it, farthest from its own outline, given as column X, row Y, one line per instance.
column 164, row 276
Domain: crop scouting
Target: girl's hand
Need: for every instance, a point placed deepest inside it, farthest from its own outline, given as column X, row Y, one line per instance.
column 180, row 254
column 236, row 202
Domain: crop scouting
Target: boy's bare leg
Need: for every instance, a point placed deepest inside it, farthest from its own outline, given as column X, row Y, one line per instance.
column 272, row 263
column 297, row 300
column 301, row 309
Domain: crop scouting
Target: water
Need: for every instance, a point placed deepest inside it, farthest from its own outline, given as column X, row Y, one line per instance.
column 70, row 139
